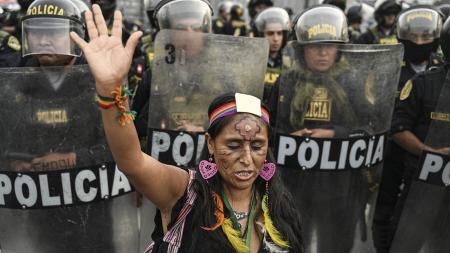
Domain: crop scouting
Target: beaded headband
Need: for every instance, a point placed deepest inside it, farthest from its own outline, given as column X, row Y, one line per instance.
column 243, row 103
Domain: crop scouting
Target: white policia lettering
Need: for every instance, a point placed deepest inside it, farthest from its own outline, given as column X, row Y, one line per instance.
column 29, row 193
column 353, row 154
column 161, row 143
column 435, row 164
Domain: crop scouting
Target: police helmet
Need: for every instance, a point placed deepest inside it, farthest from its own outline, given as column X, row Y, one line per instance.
column 47, row 25
column 236, row 11
column 445, row 9
column 107, row 6
column 150, row 6
column 173, row 14
column 445, row 40
column 354, row 14
column 225, row 7
column 422, row 21
column 386, row 7
column 272, row 16
column 322, row 23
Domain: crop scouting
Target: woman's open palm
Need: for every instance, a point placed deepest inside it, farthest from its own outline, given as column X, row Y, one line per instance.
column 108, row 59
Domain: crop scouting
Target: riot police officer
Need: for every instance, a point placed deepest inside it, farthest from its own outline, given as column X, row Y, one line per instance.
column 418, row 28
column 189, row 15
column 224, row 16
column 254, row 7
column 384, row 32
column 9, row 50
column 47, row 43
column 108, row 7
column 445, row 9
column 413, row 114
column 354, row 18
column 236, row 25
column 273, row 24
column 315, row 86
column 320, row 54
column 58, row 130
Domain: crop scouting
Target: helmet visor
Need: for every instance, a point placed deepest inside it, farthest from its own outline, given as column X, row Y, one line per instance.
column 185, row 15
column 44, row 35
column 323, row 24
column 416, row 24
column 273, row 16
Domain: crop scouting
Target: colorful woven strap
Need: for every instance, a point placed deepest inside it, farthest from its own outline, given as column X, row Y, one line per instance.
column 119, row 100
column 229, row 109
column 175, row 234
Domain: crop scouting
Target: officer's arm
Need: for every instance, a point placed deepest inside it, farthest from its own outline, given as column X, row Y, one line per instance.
column 406, row 115
column 110, row 62
column 409, row 141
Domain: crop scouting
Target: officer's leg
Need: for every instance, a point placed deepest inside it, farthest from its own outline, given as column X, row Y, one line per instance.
column 382, row 228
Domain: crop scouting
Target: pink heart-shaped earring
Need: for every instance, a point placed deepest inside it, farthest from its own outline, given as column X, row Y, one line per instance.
column 207, row 168
column 267, row 171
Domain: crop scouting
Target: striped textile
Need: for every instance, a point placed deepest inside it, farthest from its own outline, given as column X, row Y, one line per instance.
column 175, row 234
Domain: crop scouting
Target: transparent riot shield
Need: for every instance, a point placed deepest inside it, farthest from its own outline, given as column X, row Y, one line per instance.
column 190, row 70
column 425, row 222
column 334, row 110
column 60, row 190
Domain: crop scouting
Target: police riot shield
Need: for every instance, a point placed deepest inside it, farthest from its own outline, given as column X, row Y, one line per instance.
column 334, row 111
column 60, row 190
column 424, row 222
column 190, row 70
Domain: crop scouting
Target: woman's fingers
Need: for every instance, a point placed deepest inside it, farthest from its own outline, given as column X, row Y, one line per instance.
column 132, row 42
column 117, row 25
column 99, row 20
column 79, row 41
column 92, row 29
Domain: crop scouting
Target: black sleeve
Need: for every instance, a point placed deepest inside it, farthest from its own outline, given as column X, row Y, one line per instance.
column 408, row 106
column 141, row 104
column 272, row 104
column 365, row 38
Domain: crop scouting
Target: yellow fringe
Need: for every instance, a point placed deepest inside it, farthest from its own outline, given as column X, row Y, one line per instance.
column 233, row 236
column 271, row 229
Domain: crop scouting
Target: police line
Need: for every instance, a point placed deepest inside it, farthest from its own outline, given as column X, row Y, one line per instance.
column 34, row 190
column 329, row 154
column 435, row 169
column 185, row 149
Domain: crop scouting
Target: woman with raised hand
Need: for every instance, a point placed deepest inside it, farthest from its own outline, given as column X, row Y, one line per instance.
column 234, row 201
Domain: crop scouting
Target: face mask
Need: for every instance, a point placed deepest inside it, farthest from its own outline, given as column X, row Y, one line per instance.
column 417, row 54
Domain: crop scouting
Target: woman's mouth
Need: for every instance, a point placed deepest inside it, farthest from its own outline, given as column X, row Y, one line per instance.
column 244, row 175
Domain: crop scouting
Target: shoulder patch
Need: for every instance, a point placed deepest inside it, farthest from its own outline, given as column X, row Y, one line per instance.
column 14, row 43
column 406, row 90
column 219, row 23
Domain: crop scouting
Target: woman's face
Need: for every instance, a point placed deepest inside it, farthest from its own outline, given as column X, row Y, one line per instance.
column 240, row 150
column 320, row 57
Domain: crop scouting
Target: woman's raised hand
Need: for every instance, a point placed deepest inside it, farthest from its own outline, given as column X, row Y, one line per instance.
column 108, row 59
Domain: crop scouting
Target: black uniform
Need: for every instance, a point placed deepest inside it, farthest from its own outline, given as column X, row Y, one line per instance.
column 62, row 121
column 375, row 35
column 344, row 192
column 393, row 170
column 271, row 77
column 47, row 110
column 413, row 112
column 218, row 25
column 10, row 50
